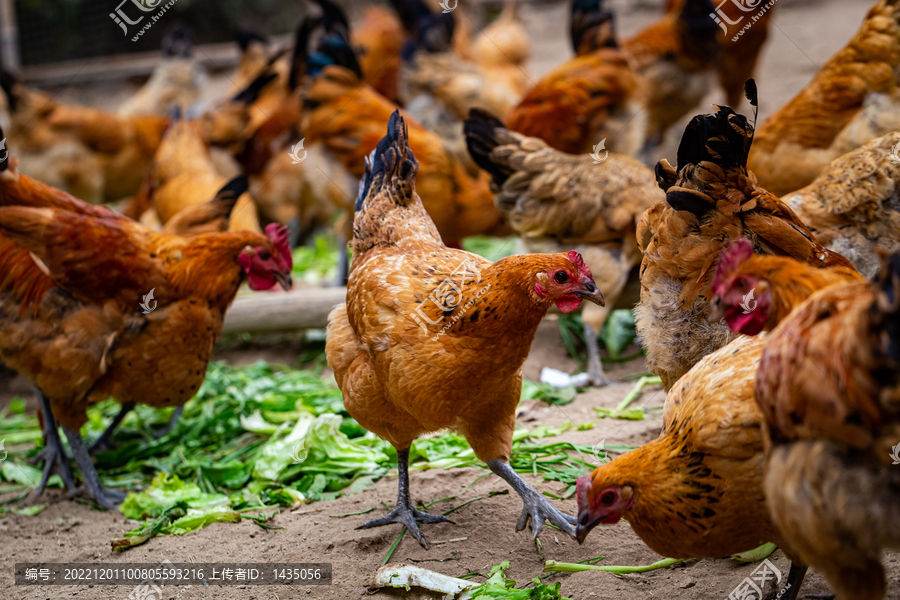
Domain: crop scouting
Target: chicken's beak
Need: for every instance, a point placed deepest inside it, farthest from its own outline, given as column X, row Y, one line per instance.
column 585, row 524
column 591, row 293
column 284, row 280
column 716, row 310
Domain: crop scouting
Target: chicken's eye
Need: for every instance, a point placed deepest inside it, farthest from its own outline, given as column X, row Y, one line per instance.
column 742, row 284
column 264, row 255
column 561, row 277
column 608, row 498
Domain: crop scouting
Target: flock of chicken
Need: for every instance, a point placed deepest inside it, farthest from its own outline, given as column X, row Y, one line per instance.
column 770, row 300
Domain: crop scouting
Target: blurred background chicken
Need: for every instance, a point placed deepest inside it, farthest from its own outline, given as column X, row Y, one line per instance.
column 346, row 117
column 592, row 98
column 852, row 206
column 176, row 83
column 676, row 58
column 556, row 201
column 853, row 99
column 183, row 175
column 73, row 275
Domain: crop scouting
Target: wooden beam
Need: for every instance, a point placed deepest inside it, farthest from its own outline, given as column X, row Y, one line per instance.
column 297, row 309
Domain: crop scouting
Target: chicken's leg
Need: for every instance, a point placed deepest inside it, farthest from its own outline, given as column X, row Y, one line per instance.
column 404, row 512
column 106, row 498
column 343, row 261
column 53, row 454
column 794, row 581
column 102, row 442
column 176, row 414
column 537, row 508
column 595, row 367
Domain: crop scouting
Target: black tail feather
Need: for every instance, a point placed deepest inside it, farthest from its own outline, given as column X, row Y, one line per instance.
column 334, row 49
column 481, row 140
column 586, row 20
column 233, row 190
column 8, row 83
column 300, row 56
column 411, row 12
column 333, row 17
column 245, row 37
column 251, row 93
column 392, row 159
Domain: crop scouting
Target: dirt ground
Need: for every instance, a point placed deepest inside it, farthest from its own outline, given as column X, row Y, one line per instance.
column 803, row 34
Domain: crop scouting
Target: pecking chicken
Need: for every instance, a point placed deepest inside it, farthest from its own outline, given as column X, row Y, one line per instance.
column 423, row 324
column 345, row 117
column 755, row 293
column 591, row 99
column 853, row 99
column 93, row 306
column 829, row 385
column 696, row 490
column 711, row 198
column 851, row 207
column 556, row 201
column 183, row 175
column 676, row 57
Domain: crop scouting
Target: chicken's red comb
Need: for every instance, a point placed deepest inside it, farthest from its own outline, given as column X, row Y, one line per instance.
column 279, row 235
column 575, row 259
column 730, row 259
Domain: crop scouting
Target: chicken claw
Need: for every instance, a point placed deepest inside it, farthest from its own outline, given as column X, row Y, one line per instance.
column 404, row 512
column 92, row 487
column 53, row 454
column 536, row 508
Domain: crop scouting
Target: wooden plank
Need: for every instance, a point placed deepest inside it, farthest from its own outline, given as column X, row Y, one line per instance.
column 297, row 309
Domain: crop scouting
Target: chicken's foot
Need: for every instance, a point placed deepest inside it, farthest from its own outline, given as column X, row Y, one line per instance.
column 102, row 442
column 595, row 367
column 537, row 508
column 53, row 454
column 404, row 512
column 92, row 486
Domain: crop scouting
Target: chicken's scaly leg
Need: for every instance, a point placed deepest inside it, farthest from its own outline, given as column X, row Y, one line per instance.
column 537, row 508
column 176, row 414
column 102, row 442
column 53, row 454
column 106, row 498
column 595, row 367
column 404, row 512
column 343, row 261
column 794, row 581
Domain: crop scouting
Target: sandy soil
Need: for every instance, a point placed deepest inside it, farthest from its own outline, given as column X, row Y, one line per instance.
column 803, row 35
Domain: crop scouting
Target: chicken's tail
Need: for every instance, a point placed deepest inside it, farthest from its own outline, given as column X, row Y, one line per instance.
column 411, row 12
column 434, row 34
column 209, row 217
column 484, row 133
column 722, row 138
column 333, row 17
column 390, row 168
column 246, row 37
column 591, row 26
column 250, row 94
